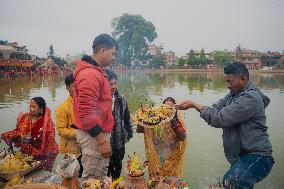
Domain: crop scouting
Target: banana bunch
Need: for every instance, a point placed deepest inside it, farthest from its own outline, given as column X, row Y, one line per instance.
column 16, row 180
column 148, row 115
column 143, row 113
column 118, row 183
column 165, row 110
column 16, row 162
column 153, row 120
column 154, row 115
column 23, row 157
column 11, row 164
column 93, row 184
column 135, row 164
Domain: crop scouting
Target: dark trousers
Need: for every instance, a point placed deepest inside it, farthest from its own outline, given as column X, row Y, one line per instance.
column 115, row 163
column 81, row 166
column 247, row 171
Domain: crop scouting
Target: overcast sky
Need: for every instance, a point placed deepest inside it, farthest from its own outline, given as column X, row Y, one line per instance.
column 71, row 25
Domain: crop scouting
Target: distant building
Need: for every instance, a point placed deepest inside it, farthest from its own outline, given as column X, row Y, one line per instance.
column 197, row 54
column 15, row 57
column 171, row 58
column 6, row 51
column 270, row 58
column 155, row 50
column 251, row 58
column 13, row 51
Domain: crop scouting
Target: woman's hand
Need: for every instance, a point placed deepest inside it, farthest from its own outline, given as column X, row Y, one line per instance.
column 140, row 129
column 25, row 138
column 10, row 147
column 10, row 142
column 177, row 128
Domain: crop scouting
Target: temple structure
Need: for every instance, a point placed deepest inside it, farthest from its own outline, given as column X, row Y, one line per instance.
column 15, row 60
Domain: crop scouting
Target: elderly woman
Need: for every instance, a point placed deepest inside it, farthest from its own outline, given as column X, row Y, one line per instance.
column 35, row 133
column 165, row 153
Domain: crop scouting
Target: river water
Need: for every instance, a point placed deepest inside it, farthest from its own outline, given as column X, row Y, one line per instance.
column 204, row 157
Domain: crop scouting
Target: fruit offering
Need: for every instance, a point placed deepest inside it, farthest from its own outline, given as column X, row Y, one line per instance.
column 105, row 183
column 135, row 166
column 16, row 180
column 17, row 162
column 168, row 182
column 154, row 116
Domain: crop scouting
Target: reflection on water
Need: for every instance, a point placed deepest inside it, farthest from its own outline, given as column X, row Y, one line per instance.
column 136, row 86
column 13, row 91
column 204, row 159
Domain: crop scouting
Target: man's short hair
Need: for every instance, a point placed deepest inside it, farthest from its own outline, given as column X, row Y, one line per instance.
column 237, row 69
column 69, row 80
column 103, row 41
column 111, row 75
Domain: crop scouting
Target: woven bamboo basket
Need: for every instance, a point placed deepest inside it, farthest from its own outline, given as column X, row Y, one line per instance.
column 10, row 175
column 137, row 121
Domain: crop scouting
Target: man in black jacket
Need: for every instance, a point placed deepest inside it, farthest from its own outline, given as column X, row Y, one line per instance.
column 122, row 130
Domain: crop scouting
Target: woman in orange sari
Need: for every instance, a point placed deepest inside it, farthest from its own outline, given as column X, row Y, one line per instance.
column 35, row 133
column 165, row 151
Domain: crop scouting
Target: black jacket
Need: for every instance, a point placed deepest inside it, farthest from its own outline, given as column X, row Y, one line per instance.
column 122, row 130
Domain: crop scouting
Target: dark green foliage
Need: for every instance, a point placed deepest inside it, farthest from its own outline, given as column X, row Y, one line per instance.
column 57, row 60
column 133, row 34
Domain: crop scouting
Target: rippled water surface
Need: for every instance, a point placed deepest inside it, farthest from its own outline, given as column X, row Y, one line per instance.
column 204, row 158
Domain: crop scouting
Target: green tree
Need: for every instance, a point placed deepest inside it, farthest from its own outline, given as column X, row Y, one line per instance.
column 202, row 59
column 57, row 60
column 191, row 58
column 50, row 53
column 133, row 34
column 181, row 62
column 157, row 62
column 221, row 58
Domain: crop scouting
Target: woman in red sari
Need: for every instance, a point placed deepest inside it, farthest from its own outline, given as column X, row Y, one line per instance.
column 35, row 133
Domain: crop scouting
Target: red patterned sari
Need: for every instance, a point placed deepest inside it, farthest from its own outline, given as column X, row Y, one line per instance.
column 42, row 143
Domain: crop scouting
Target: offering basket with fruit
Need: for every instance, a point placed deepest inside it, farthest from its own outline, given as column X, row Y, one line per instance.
column 18, row 164
column 150, row 117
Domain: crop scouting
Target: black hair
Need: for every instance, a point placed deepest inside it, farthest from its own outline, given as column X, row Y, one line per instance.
column 69, row 80
column 171, row 99
column 111, row 75
column 40, row 102
column 237, row 69
column 103, row 41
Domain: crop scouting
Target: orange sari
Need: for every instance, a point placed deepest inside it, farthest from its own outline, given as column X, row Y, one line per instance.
column 165, row 157
column 42, row 143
